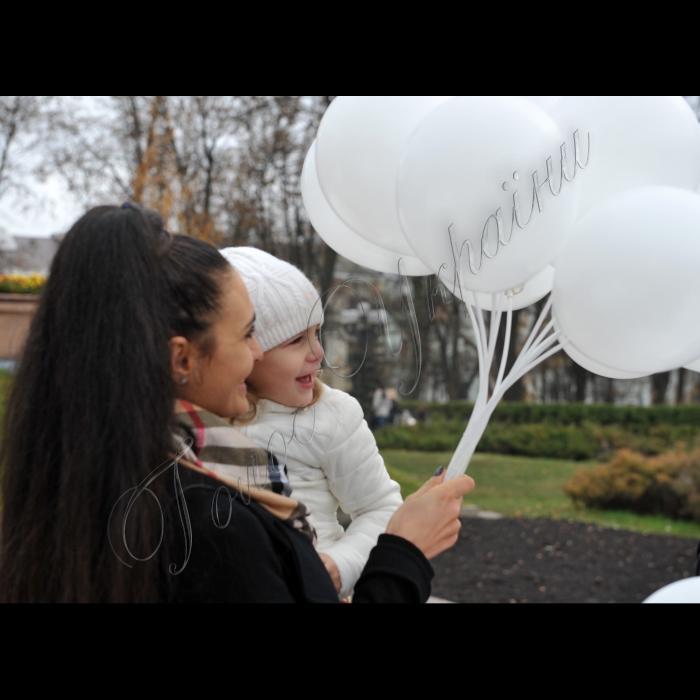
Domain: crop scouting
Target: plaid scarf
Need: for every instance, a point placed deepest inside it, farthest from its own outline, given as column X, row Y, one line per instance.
column 221, row 452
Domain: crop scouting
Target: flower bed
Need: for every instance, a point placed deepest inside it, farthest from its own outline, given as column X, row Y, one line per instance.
column 22, row 284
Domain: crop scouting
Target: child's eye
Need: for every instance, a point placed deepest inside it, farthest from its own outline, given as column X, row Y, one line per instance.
column 296, row 341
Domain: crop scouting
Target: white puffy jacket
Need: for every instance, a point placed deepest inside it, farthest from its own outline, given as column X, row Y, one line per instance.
column 333, row 464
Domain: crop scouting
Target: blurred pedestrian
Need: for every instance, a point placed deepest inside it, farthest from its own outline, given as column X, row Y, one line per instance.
column 382, row 406
column 394, row 416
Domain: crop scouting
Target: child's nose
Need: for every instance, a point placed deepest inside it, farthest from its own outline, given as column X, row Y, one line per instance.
column 316, row 351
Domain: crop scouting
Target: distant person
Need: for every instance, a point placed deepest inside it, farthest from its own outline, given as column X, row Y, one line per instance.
column 382, row 407
column 395, row 415
column 329, row 451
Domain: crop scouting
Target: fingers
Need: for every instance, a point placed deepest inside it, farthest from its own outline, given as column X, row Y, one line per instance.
column 446, row 539
column 436, row 480
column 460, row 487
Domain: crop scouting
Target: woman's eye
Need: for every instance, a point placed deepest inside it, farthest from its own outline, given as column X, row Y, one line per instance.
column 251, row 333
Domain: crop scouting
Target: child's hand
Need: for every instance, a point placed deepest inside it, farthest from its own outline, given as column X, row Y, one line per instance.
column 332, row 569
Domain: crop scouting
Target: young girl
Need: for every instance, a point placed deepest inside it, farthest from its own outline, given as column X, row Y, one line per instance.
column 330, row 454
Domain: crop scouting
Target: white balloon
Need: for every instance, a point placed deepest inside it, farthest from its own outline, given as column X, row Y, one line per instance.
column 580, row 359
column 527, row 295
column 470, row 159
column 686, row 592
column 545, row 103
column 358, row 148
column 635, row 142
column 344, row 240
column 627, row 288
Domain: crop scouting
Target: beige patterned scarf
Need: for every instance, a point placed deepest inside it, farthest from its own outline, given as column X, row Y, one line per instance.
column 221, row 452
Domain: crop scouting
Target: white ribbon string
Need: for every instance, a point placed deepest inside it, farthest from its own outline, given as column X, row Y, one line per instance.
column 539, row 347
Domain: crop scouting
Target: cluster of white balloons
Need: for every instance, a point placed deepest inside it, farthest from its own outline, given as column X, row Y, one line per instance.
column 593, row 198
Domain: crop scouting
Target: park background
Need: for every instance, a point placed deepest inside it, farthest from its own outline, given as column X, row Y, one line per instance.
column 565, row 446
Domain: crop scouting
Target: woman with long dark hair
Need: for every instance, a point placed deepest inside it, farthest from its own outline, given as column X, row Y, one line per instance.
column 105, row 486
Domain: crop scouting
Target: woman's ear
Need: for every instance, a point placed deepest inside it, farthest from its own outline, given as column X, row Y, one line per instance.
column 180, row 359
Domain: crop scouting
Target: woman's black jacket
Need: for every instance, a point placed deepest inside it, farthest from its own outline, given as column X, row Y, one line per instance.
column 256, row 558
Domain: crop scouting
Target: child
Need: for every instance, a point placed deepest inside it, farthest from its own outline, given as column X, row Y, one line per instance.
column 331, row 455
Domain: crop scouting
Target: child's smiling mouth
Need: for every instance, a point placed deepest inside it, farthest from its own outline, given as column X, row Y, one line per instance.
column 306, row 382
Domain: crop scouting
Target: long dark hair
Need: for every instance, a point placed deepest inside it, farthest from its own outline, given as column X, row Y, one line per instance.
column 90, row 412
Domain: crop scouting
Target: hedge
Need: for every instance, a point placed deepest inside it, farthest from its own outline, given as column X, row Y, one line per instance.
column 584, row 442
column 630, row 418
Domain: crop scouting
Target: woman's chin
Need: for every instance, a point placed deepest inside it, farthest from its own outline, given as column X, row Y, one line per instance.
column 241, row 407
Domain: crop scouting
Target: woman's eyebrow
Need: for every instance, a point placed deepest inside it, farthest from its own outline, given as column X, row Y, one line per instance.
column 251, row 324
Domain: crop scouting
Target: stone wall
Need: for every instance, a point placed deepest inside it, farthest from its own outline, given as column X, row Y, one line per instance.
column 16, row 313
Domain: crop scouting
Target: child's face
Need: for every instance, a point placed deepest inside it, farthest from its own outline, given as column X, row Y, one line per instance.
column 286, row 374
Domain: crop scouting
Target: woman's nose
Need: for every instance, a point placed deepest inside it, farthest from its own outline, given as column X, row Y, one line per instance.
column 257, row 350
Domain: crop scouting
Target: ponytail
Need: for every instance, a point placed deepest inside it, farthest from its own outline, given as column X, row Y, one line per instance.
column 89, row 416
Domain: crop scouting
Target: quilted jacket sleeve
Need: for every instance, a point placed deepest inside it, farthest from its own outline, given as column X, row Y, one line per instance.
column 359, row 481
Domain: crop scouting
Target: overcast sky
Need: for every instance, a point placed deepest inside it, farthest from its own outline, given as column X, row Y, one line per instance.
column 54, row 211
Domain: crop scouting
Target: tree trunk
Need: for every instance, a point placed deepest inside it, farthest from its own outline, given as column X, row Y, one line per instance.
column 423, row 316
column 680, row 389
column 328, row 271
column 581, row 376
column 517, row 392
column 660, row 384
column 609, row 391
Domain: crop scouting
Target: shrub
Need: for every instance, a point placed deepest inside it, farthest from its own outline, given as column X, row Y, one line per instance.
column 667, row 485
column 521, row 440
column 631, row 418
column 568, row 442
column 22, row 284
column 420, row 438
column 587, row 441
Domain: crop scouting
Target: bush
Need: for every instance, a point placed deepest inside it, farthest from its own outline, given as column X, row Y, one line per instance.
column 22, row 284
column 541, row 440
column 521, row 440
column 631, row 418
column 420, row 438
column 667, row 485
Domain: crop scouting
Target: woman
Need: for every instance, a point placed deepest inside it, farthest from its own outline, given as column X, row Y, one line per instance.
column 102, row 503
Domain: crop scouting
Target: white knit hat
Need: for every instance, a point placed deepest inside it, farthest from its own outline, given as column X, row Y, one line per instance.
column 285, row 301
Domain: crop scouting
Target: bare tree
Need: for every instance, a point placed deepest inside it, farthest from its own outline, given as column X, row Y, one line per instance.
column 22, row 130
column 175, row 154
column 266, row 209
column 223, row 168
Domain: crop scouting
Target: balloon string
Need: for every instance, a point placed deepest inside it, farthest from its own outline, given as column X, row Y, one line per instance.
column 539, row 347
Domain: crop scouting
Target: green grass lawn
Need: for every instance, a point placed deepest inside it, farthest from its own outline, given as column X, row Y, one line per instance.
column 525, row 487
